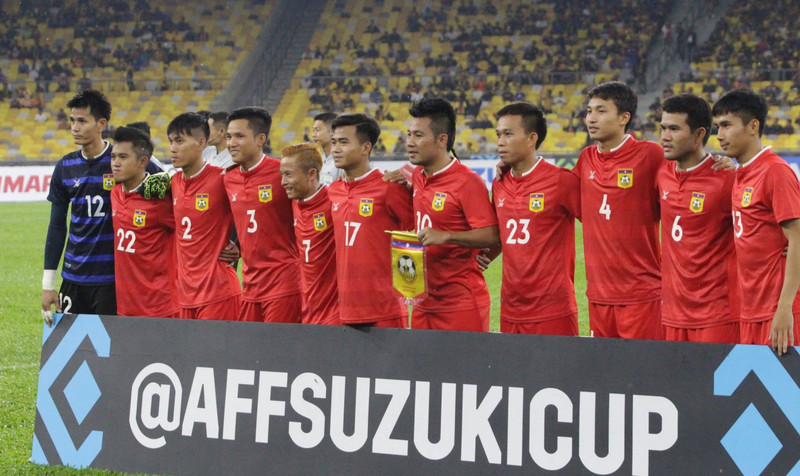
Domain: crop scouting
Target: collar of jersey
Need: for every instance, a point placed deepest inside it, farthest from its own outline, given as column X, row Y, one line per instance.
column 700, row 164
column 205, row 164
column 539, row 160
column 453, row 160
column 99, row 155
column 311, row 197
column 363, row 176
column 760, row 153
column 250, row 170
column 624, row 140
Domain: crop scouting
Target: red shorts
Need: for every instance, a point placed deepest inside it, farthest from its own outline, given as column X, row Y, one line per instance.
column 719, row 334
column 560, row 326
column 287, row 309
column 628, row 321
column 469, row 320
column 392, row 323
column 225, row 310
column 758, row 332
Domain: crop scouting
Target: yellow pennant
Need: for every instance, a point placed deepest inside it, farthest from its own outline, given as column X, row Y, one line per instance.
column 624, row 178
column 697, row 202
column 320, row 224
column 108, row 181
column 408, row 267
column 264, row 193
column 536, row 203
column 139, row 217
column 201, row 201
column 747, row 196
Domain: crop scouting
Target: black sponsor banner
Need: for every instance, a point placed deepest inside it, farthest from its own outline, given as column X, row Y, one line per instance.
column 198, row 397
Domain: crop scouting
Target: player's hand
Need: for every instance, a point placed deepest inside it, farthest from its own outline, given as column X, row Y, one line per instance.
column 781, row 331
column 483, row 259
column 230, row 253
column 49, row 299
column 431, row 236
column 396, row 176
column 501, row 169
column 722, row 162
column 156, row 186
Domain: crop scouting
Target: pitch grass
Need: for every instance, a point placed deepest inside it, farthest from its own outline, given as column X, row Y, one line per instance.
column 23, row 227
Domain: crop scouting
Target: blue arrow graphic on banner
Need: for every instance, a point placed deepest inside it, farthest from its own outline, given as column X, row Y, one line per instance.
column 765, row 365
column 85, row 325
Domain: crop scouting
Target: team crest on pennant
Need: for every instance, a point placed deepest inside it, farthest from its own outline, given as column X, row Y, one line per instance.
column 108, row 181
column 408, row 270
column 319, row 222
column 139, row 217
column 624, row 178
column 747, row 196
column 438, row 201
column 201, row 201
column 697, row 202
column 264, row 193
column 536, row 203
column 365, row 209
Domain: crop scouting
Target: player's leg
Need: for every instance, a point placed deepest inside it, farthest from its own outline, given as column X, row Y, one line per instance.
column 287, row 309
column 188, row 313
column 226, row 310
column 602, row 320
column 331, row 321
column 640, row 320
column 508, row 327
column 754, row 333
column 393, row 323
column 560, row 326
column 476, row 320
column 721, row 334
column 104, row 299
column 676, row 334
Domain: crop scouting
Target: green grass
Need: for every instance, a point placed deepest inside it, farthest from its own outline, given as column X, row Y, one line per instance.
column 22, row 231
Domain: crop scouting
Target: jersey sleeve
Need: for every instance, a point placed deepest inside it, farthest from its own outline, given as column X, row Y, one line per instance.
column 570, row 186
column 57, row 194
column 400, row 206
column 474, row 198
column 785, row 193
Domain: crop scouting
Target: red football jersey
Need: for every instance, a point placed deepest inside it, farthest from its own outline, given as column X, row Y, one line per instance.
column 699, row 281
column 765, row 193
column 144, row 255
column 313, row 228
column 536, row 214
column 262, row 214
column 620, row 214
column 203, row 225
column 363, row 209
column 453, row 199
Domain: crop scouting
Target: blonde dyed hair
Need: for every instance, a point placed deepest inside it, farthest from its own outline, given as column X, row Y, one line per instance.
column 306, row 155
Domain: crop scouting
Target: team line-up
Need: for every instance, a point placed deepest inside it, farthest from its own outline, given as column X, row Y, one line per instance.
column 310, row 227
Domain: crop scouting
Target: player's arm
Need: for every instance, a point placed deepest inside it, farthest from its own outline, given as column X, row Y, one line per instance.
column 781, row 331
column 56, row 235
column 230, row 254
column 486, row 256
column 485, row 237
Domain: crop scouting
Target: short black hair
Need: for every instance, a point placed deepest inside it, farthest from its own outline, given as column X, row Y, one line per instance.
column 204, row 112
column 441, row 114
column 258, row 119
column 140, row 141
column 326, row 117
column 188, row 123
column 98, row 105
column 745, row 104
column 367, row 128
column 620, row 94
column 532, row 118
column 220, row 118
column 697, row 110
column 142, row 126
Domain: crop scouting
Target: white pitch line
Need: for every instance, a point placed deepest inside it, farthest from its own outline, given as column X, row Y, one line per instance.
column 16, row 367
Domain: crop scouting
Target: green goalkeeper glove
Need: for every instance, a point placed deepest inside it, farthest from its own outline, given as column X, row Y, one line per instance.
column 156, row 186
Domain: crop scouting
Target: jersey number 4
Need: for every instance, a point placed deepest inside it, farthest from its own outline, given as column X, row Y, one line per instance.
column 605, row 208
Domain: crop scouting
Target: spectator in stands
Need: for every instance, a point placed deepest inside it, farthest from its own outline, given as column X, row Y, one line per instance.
column 62, row 122
column 40, row 116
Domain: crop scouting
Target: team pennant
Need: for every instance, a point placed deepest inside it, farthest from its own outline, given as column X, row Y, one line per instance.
column 408, row 267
